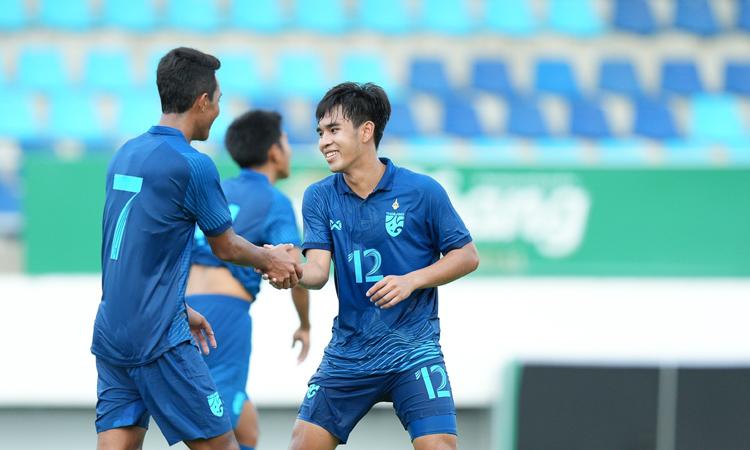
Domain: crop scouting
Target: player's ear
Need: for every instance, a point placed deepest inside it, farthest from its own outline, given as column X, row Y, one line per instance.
column 367, row 131
column 201, row 102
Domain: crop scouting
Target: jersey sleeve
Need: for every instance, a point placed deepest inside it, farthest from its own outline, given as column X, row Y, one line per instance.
column 204, row 198
column 317, row 233
column 448, row 230
column 281, row 226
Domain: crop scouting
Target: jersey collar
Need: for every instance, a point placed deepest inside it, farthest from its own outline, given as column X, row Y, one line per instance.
column 385, row 183
column 169, row 131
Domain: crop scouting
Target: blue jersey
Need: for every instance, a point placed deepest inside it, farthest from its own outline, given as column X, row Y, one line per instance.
column 404, row 225
column 158, row 188
column 262, row 214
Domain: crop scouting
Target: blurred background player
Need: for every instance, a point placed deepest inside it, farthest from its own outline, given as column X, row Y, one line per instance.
column 385, row 228
column 223, row 292
column 158, row 189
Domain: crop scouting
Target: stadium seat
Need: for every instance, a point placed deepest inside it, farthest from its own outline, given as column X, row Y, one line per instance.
column 574, row 17
column 401, row 124
column 322, row 16
column 554, row 76
column 428, row 75
column 587, row 119
column 300, row 74
column 363, row 67
column 634, row 16
column 715, row 118
column 446, row 16
column 66, row 14
column 511, row 17
column 13, row 15
column 75, row 115
column 264, row 16
column 239, row 75
column 41, row 68
column 619, row 76
column 460, row 118
column 654, row 119
column 696, row 16
column 193, row 15
column 19, row 119
column 525, row 119
column 109, row 70
column 384, row 16
column 132, row 15
column 737, row 77
column 9, row 199
column 743, row 15
column 138, row 111
column 680, row 77
column 491, row 75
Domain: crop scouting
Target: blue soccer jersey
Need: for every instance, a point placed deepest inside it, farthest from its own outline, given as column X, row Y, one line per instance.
column 262, row 214
column 158, row 189
column 404, row 225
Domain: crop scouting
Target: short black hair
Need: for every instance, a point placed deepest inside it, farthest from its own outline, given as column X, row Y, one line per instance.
column 182, row 76
column 251, row 135
column 359, row 103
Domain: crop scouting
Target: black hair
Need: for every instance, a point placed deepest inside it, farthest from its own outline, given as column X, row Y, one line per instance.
column 359, row 103
column 182, row 76
column 251, row 135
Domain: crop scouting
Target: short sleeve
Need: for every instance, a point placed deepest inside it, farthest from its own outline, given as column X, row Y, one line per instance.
column 204, row 198
column 317, row 233
column 449, row 231
column 281, row 226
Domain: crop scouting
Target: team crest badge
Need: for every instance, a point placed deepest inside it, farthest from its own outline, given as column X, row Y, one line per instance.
column 394, row 221
column 214, row 402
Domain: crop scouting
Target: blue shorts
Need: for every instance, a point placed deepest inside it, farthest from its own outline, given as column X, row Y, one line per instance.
column 421, row 397
column 176, row 389
column 229, row 362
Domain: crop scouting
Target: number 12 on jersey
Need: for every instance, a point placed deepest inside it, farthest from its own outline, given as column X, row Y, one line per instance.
column 357, row 256
column 124, row 183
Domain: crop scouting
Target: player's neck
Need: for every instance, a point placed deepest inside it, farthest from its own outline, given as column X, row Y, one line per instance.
column 364, row 177
column 180, row 122
column 268, row 171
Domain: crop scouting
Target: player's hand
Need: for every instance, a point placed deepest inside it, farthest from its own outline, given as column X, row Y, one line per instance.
column 302, row 335
column 201, row 330
column 281, row 270
column 390, row 291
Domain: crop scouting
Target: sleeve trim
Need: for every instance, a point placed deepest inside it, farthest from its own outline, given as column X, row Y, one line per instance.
column 217, row 231
column 454, row 245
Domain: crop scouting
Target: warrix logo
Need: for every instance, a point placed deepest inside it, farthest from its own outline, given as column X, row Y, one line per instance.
column 335, row 225
column 214, row 402
column 394, row 221
column 312, row 390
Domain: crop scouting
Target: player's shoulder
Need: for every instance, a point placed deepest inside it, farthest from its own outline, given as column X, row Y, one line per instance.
column 279, row 198
column 417, row 180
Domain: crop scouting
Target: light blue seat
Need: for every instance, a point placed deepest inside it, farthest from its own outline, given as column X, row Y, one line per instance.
column 574, row 17
column 239, row 75
column 461, row 118
column 737, row 77
column 300, row 74
column 384, row 16
column 265, row 16
column 110, row 70
column 696, row 16
column 525, row 118
column 587, row 119
column 428, row 75
column 619, row 76
column 132, row 15
column 65, row 14
column 193, row 15
column 511, row 17
column 42, row 68
column 743, row 15
column 13, row 15
column 138, row 111
column 634, row 16
column 491, row 75
column 401, row 123
column 322, row 16
column 679, row 76
column 654, row 119
column 75, row 115
column 716, row 118
column 555, row 76
column 446, row 16
column 19, row 118
column 9, row 201
column 367, row 68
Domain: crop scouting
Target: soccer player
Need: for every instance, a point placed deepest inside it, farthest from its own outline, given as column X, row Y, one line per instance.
column 385, row 228
column 222, row 292
column 158, row 188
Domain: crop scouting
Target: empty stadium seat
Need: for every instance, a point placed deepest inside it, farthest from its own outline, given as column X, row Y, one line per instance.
column 446, row 16
column 525, row 118
column 300, row 74
column 75, row 115
column 132, row 15
column 553, row 76
column 696, row 16
column 42, row 68
column 460, row 118
column 9, row 199
column 239, row 75
column 654, row 119
column 19, row 119
column 680, row 77
column 634, row 16
column 392, row 16
column 743, row 15
column 716, row 118
column 13, row 15
column 108, row 69
column 587, row 119
column 491, row 75
column 574, row 17
column 66, row 14
column 619, row 76
column 737, row 77
column 264, row 16
column 323, row 16
column 193, row 15
column 401, row 124
column 511, row 17
column 428, row 75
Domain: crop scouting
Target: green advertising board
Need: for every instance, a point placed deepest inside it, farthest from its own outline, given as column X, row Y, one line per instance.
column 525, row 221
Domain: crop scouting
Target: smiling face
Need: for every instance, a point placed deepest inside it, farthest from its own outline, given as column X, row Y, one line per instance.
column 339, row 141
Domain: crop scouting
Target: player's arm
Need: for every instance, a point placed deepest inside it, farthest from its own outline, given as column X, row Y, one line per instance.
column 392, row 289
column 316, row 269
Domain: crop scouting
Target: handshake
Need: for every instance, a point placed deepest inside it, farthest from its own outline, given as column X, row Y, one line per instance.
column 281, row 266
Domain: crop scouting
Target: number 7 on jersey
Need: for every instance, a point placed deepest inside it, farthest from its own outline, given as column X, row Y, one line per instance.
column 124, row 183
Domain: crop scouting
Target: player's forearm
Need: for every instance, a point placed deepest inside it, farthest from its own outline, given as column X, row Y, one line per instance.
column 452, row 266
column 301, row 299
column 244, row 253
column 314, row 277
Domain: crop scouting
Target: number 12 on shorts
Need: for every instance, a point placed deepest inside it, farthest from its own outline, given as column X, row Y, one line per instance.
column 424, row 374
